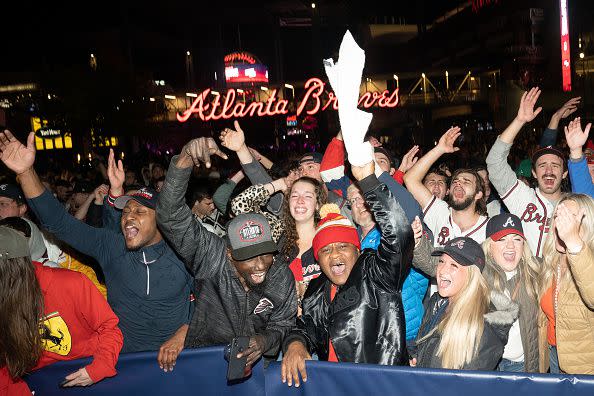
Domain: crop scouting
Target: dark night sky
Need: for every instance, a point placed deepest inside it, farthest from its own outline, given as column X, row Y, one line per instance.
column 51, row 35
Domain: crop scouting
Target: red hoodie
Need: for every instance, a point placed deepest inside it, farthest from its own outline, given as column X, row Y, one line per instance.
column 78, row 323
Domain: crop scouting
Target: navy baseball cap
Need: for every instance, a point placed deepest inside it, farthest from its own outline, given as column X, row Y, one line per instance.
column 146, row 196
column 465, row 251
column 504, row 224
column 315, row 157
column 548, row 150
column 11, row 191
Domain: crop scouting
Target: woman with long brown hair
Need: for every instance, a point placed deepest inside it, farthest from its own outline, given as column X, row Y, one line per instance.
column 295, row 229
column 50, row 315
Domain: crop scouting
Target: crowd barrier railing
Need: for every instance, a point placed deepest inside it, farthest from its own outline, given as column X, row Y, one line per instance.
column 203, row 372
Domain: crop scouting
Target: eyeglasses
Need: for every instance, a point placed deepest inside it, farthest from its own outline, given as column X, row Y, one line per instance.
column 353, row 201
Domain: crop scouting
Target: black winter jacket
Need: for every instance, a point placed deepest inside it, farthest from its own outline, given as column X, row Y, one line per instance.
column 223, row 310
column 502, row 314
column 366, row 318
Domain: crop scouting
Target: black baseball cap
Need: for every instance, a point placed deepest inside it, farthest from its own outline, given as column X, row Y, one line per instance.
column 146, row 196
column 465, row 251
column 504, row 224
column 548, row 150
column 11, row 191
column 249, row 236
column 315, row 157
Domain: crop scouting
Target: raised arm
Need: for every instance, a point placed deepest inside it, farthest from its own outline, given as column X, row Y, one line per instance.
column 54, row 217
column 414, row 177
column 500, row 173
column 390, row 267
column 549, row 135
column 188, row 237
column 234, row 139
column 581, row 181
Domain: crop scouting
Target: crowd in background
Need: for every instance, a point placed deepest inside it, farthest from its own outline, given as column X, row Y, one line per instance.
column 426, row 256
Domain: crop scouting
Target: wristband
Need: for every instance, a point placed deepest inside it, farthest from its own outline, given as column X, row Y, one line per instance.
column 574, row 249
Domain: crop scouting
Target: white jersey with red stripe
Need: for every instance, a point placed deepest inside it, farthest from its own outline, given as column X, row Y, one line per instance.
column 535, row 212
column 438, row 217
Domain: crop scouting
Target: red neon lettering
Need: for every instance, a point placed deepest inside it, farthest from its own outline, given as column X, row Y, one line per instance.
column 314, row 87
column 239, row 56
column 229, row 107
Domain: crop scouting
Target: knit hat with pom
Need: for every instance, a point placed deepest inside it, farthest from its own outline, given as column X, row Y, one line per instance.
column 333, row 227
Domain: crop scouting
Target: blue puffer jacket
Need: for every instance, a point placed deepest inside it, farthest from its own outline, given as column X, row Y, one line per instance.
column 413, row 289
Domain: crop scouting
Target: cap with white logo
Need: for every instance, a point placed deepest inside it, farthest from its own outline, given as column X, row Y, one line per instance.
column 502, row 225
column 250, row 236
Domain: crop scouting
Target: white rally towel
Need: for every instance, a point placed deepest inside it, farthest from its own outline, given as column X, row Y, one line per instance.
column 345, row 79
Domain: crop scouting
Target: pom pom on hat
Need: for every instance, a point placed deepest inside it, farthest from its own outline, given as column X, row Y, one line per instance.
column 334, row 227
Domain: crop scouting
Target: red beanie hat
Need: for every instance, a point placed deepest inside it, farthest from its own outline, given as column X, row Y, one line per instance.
column 333, row 227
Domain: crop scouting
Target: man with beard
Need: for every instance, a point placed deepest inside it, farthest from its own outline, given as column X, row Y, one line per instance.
column 148, row 286
column 465, row 213
column 534, row 206
column 240, row 289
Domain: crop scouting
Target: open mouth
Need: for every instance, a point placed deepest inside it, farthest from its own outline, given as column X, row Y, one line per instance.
column 130, row 231
column 509, row 256
column 444, row 283
column 338, row 269
column 459, row 193
column 258, row 277
column 549, row 181
column 300, row 210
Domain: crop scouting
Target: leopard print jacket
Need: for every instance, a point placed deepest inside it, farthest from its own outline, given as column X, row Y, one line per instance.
column 254, row 199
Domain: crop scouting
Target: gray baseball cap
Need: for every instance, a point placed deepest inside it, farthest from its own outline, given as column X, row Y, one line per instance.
column 249, row 236
column 13, row 244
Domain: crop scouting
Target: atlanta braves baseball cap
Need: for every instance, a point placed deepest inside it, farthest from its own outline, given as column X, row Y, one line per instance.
column 13, row 244
column 249, row 236
column 465, row 251
column 547, row 150
column 146, row 196
column 504, row 224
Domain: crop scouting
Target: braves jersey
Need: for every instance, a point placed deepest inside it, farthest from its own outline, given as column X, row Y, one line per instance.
column 438, row 217
column 535, row 212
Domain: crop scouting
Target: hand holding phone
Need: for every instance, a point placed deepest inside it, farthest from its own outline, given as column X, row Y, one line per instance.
column 236, row 368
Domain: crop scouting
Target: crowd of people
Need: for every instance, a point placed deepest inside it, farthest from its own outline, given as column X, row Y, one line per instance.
column 351, row 255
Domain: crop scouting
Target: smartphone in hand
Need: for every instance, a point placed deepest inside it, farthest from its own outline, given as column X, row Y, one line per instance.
column 236, row 369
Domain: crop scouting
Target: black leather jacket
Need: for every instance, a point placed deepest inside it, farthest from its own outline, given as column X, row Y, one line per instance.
column 366, row 319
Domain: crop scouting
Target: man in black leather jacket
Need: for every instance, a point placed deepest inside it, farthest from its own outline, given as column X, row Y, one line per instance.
column 364, row 322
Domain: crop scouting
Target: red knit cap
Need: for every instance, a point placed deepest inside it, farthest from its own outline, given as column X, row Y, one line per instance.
column 333, row 227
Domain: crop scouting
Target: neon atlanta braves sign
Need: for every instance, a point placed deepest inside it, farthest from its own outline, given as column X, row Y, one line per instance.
column 229, row 107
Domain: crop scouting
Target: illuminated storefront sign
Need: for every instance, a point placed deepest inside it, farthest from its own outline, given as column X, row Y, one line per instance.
column 243, row 67
column 314, row 100
column 565, row 55
column 47, row 138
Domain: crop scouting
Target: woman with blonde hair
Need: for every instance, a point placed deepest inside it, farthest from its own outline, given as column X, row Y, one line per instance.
column 566, row 323
column 465, row 326
column 511, row 269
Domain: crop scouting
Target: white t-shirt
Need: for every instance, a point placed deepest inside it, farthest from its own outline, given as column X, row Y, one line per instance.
column 438, row 217
column 514, row 350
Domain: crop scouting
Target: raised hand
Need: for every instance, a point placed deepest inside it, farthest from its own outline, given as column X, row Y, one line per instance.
column 200, row 150
column 16, row 156
column 234, row 140
column 526, row 112
column 568, row 108
column 576, row 138
column 116, row 174
column 568, row 226
column 100, row 193
column 447, row 140
column 417, row 227
column 409, row 159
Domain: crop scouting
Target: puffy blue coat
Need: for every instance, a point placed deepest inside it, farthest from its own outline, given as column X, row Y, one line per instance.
column 413, row 289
